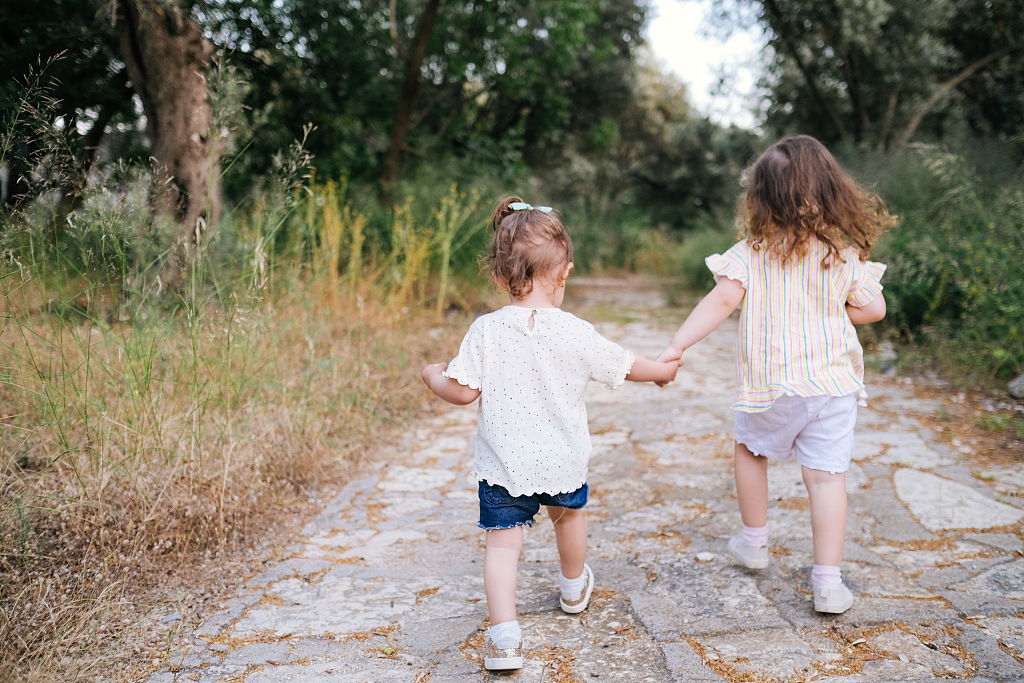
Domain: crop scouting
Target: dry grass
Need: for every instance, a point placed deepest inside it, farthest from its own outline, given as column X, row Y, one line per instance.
column 144, row 436
column 799, row 504
column 132, row 447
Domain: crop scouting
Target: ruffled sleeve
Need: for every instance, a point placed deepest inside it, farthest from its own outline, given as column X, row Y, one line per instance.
column 733, row 264
column 468, row 367
column 609, row 362
column 866, row 283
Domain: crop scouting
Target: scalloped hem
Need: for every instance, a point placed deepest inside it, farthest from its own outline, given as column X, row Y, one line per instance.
column 466, row 383
column 756, row 452
column 629, row 368
column 720, row 266
column 536, row 492
column 789, row 457
column 754, row 401
column 872, row 287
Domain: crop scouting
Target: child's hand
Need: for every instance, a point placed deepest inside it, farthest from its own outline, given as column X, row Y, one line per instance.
column 675, row 364
column 669, row 354
column 645, row 370
column 431, row 371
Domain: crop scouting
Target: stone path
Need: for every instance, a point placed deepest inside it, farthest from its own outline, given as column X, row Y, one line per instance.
column 385, row 586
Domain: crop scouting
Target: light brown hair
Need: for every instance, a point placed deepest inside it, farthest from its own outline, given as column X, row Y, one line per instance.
column 797, row 191
column 527, row 244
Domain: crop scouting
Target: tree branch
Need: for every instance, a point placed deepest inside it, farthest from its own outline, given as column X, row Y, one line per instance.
column 943, row 89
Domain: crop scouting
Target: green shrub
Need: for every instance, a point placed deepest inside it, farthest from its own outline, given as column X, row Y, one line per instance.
column 697, row 246
column 955, row 282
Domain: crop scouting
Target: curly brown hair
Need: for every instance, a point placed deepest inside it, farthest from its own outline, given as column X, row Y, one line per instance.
column 796, row 190
column 527, row 244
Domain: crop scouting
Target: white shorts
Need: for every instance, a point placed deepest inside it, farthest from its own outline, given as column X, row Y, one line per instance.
column 818, row 429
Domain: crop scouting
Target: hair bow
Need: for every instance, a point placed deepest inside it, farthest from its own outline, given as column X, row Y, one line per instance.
column 523, row 206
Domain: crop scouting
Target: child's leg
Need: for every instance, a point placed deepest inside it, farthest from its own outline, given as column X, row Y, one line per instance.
column 828, row 514
column 571, row 538
column 501, row 561
column 752, row 487
column 575, row 580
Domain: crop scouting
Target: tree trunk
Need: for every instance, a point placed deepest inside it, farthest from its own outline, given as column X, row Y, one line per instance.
column 890, row 112
column 166, row 57
column 410, row 94
column 862, row 122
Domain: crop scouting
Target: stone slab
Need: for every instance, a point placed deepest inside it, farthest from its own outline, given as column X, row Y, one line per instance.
column 686, row 666
column 943, row 504
column 1007, row 542
column 992, row 661
column 902, row 645
column 893, row 522
column 776, row 653
column 1005, row 580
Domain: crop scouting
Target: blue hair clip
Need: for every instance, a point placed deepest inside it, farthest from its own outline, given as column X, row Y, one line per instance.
column 523, row 206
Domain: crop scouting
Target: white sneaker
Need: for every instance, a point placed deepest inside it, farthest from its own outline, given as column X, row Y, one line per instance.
column 833, row 600
column 507, row 653
column 580, row 603
column 751, row 556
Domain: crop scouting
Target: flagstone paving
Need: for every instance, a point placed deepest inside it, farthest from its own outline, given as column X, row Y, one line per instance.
column 385, row 585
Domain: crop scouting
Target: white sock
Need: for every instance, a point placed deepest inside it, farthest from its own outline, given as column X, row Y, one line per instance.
column 508, row 630
column 755, row 536
column 572, row 589
column 824, row 576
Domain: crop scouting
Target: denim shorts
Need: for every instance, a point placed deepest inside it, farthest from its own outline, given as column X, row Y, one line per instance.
column 501, row 510
column 817, row 429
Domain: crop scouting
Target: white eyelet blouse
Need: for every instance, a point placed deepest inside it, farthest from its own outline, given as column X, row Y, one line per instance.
column 532, row 434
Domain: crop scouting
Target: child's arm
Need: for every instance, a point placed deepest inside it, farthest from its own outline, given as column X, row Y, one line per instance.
column 871, row 313
column 448, row 389
column 644, row 370
column 706, row 316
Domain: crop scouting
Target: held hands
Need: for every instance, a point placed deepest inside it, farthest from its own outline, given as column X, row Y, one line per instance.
column 671, row 356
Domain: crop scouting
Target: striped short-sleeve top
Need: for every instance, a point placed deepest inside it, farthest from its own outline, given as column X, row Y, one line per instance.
column 532, row 434
column 795, row 336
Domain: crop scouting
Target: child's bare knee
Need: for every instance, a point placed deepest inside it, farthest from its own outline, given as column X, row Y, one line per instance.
column 821, row 478
column 560, row 515
column 506, row 539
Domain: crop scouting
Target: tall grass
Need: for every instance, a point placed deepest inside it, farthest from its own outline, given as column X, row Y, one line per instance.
column 139, row 424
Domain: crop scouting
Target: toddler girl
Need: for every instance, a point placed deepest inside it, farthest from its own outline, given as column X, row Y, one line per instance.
column 529, row 364
column 804, row 282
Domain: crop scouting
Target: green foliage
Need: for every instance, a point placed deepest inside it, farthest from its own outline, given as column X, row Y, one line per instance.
column 500, row 78
column 87, row 87
column 698, row 245
column 646, row 149
column 992, row 100
column 956, row 259
column 884, row 73
column 88, row 84
column 1001, row 422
